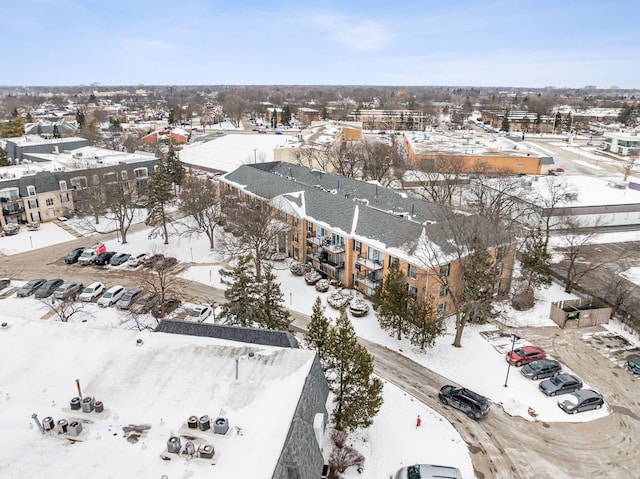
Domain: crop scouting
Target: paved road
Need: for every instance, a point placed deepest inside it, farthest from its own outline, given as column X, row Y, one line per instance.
column 501, row 446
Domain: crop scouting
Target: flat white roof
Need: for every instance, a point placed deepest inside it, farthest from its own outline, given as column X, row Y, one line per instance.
column 154, row 388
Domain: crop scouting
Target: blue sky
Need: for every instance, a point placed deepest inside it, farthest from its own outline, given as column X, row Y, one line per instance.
column 520, row 43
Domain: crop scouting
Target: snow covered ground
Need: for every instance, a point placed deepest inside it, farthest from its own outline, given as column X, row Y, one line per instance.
column 394, row 428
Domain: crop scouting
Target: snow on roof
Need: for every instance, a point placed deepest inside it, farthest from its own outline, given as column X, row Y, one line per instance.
column 231, row 151
column 156, row 387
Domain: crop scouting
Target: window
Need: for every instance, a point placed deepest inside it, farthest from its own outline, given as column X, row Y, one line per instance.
column 141, row 172
column 413, row 292
column 124, row 176
column 357, row 246
column 32, row 204
column 96, row 179
column 296, row 253
column 499, row 269
column 442, row 308
column 412, row 272
column 49, row 202
column 295, row 221
column 64, row 197
column 393, row 261
column 110, row 177
column 295, row 237
column 375, row 255
column 63, row 185
column 31, row 190
column 310, row 228
column 502, row 249
column 445, row 269
column 78, row 182
column 444, row 290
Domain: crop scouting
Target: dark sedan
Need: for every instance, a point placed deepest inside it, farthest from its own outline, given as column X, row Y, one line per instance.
column 73, row 255
column 560, row 384
column 119, row 258
column 48, row 288
column 540, row 369
column 30, row 287
column 103, row 258
column 144, row 303
column 582, row 400
column 164, row 308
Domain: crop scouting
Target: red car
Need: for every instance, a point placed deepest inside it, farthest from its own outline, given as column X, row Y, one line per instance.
column 525, row 355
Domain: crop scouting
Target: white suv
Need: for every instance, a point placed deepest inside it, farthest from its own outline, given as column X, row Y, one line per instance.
column 111, row 296
column 135, row 260
column 92, row 291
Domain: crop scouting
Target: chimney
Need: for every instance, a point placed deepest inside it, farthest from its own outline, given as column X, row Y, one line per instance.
column 35, row 418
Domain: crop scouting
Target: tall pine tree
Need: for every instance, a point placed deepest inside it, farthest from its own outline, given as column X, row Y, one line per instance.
column 174, row 167
column 271, row 312
column 390, row 302
column 535, row 260
column 159, row 198
column 241, row 306
column 426, row 323
column 318, row 329
column 357, row 395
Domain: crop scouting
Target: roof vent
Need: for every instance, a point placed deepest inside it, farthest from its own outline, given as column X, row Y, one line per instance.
column 221, row 425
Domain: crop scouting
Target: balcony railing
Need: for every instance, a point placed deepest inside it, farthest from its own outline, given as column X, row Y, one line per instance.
column 12, row 211
column 369, row 283
column 372, row 265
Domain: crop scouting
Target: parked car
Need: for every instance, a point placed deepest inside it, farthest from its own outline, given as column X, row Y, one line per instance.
column 73, row 255
column 525, row 355
column 4, row 283
column 200, row 313
column 104, row 258
column 581, row 400
column 135, row 260
column 30, row 287
column 560, row 384
column 165, row 263
column 119, row 258
column 111, row 296
column 128, row 298
column 164, row 308
column 151, row 259
column 68, row 290
column 87, row 257
column 92, row 291
column 427, row 471
column 48, row 288
column 144, row 303
column 540, row 369
column 633, row 364
column 473, row 404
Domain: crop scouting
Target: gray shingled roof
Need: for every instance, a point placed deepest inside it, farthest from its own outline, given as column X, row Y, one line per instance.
column 382, row 213
column 267, row 337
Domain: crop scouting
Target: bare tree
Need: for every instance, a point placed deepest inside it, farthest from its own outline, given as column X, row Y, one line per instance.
column 630, row 166
column 443, row 181
column 377, row 162
column 234, row 107
column 122, row 204
column 551, row 197
column 65, row 308
column 199, row 202
column 256, row 230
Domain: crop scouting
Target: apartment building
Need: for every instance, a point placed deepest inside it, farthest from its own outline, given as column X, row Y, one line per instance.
column 352, row 231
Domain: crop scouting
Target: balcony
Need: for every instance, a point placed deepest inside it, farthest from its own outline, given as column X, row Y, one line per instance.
column 371, row 265
column 369, row 282
column 12, row 211
column 326, row 243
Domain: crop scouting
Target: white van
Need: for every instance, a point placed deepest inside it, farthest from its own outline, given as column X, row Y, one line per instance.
column 111, row 296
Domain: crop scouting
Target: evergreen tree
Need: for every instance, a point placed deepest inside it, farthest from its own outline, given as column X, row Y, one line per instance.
column 56, row 131
column 39, row 130
column 3, row 158
column 478, row 277
column 240, row 294
column 159, row 198
column 426, row 324
column 505, row 121
column 174, row 167
column 357, row 395
column 535, row 260
column 271, row 312
column 568, row 122
column 80, row 119
column 390, row 302
column 286, row 115
column 318, row 331
column 12, row 128
column 28, row 117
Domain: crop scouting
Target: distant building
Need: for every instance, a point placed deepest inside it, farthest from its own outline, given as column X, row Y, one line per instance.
column 623, row 144
column 19, row 149
column 177, row 135
column 390, row 120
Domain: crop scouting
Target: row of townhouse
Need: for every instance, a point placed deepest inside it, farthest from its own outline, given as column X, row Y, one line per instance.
column 352, row 231
column 45, row 195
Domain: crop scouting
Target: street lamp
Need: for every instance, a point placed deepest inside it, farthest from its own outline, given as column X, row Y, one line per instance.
column 513, row 344
column 254, row 155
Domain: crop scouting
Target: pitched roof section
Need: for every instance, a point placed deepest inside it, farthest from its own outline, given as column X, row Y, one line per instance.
column 378, row 213
column 267, row 337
